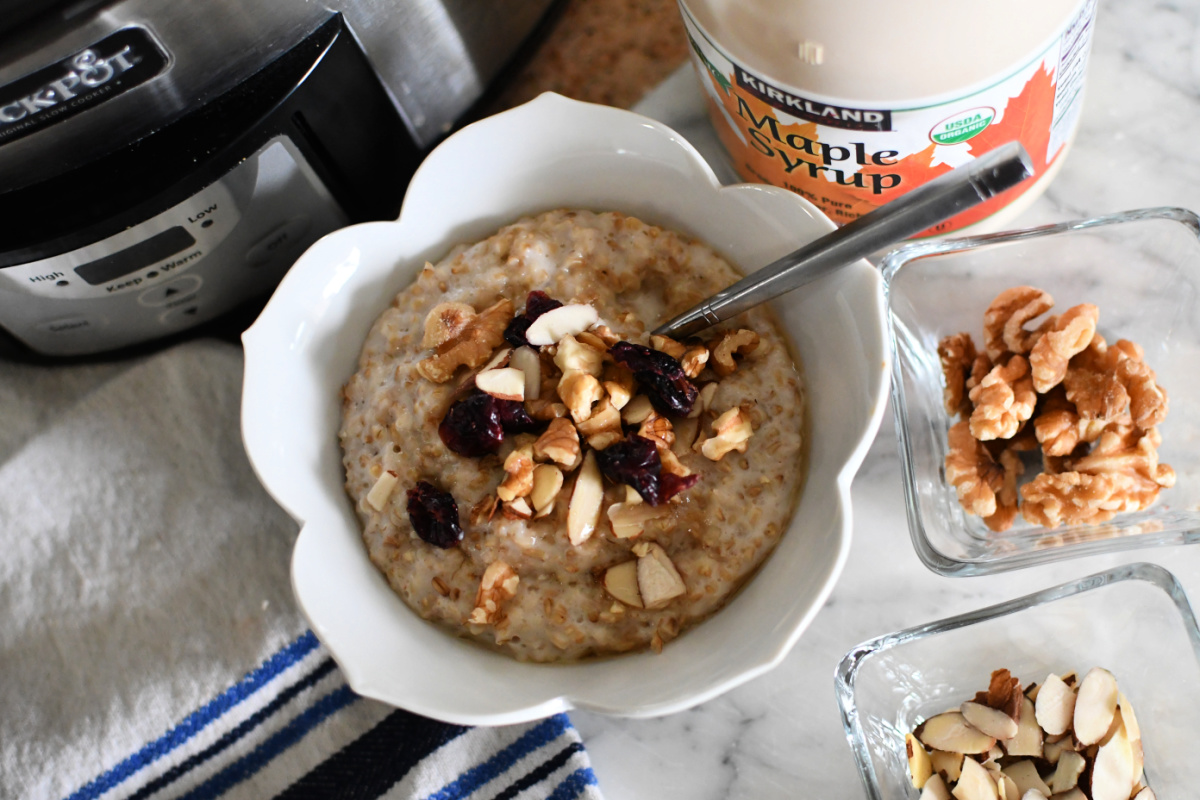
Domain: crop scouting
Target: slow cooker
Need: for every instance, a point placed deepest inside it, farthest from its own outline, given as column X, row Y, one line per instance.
column 162, row 162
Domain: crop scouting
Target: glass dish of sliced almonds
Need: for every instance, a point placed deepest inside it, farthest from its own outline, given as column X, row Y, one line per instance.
column 986, row 705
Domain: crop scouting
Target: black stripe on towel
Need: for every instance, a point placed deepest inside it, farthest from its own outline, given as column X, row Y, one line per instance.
column 236, row 733
column 375, row 761
column 540, row 774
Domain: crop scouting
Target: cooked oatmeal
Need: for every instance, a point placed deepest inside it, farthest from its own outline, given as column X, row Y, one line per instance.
column 527, row 575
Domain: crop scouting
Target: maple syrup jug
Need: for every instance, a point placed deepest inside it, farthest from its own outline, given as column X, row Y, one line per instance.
column 854, row 103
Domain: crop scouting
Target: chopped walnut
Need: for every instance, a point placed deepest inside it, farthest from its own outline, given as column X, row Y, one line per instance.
column 731, row 431
column 740, row 342
column 605, row 334
column 473, row 345
column 1057, row 424
column 519, row 480
column 444, row 322
column 1069, row 336
column 1007, row 499
column 545, row 409
column 668, row 345
column 1115, row 452
column 572, row 356
column 1074, row 498
column 593, row 341
column 1096, row 394
column 659, row 430
column 1005, row 318
column 602, row 425
column 1003, row 400
column 560, row 444
column 1147, row 400
column 485, row 509
column 618, row 382
column 580, row 392
column 693, row 360
column 671, row 464
column 957, row 354
column 972, row 472
column 498, row 585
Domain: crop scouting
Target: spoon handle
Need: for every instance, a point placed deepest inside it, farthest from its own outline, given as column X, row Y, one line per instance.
column 909, row 214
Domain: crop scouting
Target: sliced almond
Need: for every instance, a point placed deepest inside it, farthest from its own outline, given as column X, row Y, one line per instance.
column 1053, row 750
column 658, row 580
column 378, row 496
column 506, row 383
column 517, row 509
column 935, row 789
column 919, row 765
column 1034, row 794
column 1070, row 794
column 547, row 482
column 1006, row 787
column 1055, row 707
column 636, row 410
column 629, row 519
column 951, row 732
column 621, row 581
column 1094, row 706
column 1028, row 741
column 947, row 763
column 974, row 783
column 1135, row 734
column 1025, row 775
column 1145, row 794
column 988, row 720
column 529, row 362
column 1066, row 776
column 1114, row 767
column 567, row 320
column 584, row 511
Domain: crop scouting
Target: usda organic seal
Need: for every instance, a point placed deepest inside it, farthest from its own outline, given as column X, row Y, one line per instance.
column 962, row 126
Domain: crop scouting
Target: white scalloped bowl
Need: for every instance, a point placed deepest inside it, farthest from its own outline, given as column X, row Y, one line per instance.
column 551, row 153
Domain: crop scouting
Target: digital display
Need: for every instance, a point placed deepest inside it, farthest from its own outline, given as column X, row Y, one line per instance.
column 142, row 254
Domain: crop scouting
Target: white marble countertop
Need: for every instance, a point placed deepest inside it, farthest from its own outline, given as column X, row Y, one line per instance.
column 780, row 736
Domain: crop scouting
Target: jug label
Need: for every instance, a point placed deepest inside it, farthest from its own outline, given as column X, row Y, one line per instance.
column 848, row 159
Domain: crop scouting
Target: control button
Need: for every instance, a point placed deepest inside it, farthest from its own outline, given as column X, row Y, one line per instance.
column 184, row 315
column 171, row 291
column 281, row 239
column 68, row 325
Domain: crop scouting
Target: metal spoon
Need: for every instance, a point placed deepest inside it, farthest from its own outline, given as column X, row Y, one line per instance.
column 911, row 213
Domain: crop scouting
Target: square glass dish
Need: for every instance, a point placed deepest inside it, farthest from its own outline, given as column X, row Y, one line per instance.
column 1135, row 621
column 1142, row 269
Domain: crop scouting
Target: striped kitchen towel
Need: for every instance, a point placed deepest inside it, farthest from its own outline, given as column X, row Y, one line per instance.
column 150, row 646
column 292, row 728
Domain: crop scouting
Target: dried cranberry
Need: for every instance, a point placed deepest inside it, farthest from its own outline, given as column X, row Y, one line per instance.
column 472, row 426
column 660, row 376
column 539, row 303
column 514, row 418
column 434, row 515
column 671, row 485
column 536, row 304
column 633, row 462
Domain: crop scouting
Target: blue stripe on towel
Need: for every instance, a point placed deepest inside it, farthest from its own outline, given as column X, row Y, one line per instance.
column 574, row 785
column 230, row 737
column 200, row 719
column 281, row 740
column 472, row 779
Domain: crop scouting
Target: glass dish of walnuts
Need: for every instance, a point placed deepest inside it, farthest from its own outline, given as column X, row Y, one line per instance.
column 1044, row 390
